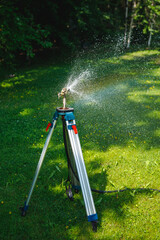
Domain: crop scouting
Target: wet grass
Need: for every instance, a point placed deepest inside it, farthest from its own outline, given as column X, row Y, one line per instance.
column 120, row 138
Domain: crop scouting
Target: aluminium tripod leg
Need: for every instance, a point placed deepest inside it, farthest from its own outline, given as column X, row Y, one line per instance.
column 81, row 169
column 24, row 209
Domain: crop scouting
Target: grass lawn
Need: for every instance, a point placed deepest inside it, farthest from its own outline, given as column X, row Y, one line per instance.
column 119, row 130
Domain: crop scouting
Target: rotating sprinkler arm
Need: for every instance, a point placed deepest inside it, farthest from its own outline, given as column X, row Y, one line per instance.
column 63, row 94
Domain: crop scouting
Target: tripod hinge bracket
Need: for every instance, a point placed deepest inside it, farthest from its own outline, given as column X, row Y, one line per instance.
column 69, row 116
column 55, row 117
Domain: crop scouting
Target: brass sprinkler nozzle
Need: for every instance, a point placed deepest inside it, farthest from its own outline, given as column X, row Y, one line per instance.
column 63, row 94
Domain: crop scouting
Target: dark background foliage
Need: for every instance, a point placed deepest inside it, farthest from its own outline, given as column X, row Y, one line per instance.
column 30, row 27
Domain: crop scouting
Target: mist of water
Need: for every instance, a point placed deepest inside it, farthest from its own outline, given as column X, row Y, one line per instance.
column 77, row 82
column 97, row 74
column 103, row 83
column 89, row 71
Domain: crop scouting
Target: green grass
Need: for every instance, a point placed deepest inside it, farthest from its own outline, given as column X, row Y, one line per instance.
column 120, row 138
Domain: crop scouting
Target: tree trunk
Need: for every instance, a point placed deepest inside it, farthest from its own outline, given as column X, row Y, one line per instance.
column 152, row 16
column 131, row 23
column 126, row 21
column 150, row 35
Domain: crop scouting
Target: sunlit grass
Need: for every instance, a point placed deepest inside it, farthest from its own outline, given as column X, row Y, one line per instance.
column 154, row 114
column 140, row 54
column 26, row 111
column 120, row 137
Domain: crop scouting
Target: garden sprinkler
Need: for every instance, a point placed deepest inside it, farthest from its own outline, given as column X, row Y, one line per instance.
column 77, row 174
column 63, row 94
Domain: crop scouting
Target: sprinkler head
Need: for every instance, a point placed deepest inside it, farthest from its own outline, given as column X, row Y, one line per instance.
column 63, row 94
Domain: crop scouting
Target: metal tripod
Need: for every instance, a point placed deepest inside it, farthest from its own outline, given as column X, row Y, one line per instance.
column 76, row 165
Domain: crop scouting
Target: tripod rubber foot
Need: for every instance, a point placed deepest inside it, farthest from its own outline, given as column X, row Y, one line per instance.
column 94, row 226
column 76, row 191
column 23, row 211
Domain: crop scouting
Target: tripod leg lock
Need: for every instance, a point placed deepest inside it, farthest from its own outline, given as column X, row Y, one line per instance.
column 48, row 126
column 73, row 127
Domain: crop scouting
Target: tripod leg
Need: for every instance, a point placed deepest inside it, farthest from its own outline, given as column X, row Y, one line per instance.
column 82, row 173
column 24, row 209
